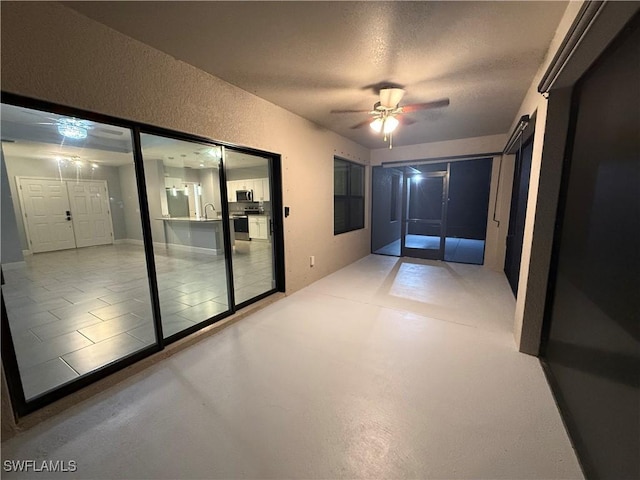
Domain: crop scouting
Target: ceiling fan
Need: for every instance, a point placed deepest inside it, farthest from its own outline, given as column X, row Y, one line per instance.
column 387, row 114
column 74, row 128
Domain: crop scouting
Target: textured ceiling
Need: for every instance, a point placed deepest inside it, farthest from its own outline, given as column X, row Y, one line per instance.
column 312, row 57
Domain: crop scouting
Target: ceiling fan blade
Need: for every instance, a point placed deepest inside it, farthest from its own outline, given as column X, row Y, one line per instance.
column 362, row 124
column 406, row 120
column 350, row 111
column 390, row 97
column 425, row 106
column 109, row 131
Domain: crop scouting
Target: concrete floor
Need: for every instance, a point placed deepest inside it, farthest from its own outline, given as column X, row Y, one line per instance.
column 458, row 250
column 389, row 368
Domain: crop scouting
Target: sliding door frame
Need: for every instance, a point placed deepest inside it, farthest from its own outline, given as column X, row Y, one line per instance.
column 424, row 253
column 23, row 407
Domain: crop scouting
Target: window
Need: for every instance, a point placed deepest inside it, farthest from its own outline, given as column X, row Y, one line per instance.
column 348, row 196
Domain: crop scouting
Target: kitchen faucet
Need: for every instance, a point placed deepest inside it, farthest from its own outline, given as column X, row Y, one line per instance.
column 205, row 209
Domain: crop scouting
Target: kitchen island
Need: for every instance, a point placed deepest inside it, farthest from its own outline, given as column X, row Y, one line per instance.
column 200, row 235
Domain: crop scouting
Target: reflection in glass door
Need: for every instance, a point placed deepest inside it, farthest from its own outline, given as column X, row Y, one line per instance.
column 423, row 225
column 187, row 226
column 249, row 193
column 78, row 303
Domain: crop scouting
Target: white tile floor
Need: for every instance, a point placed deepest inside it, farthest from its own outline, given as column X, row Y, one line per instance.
column 73, row 311
column 385, row 369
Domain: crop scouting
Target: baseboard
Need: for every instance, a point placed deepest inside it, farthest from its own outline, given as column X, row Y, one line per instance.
column 14, row 265
column 189, row 248
column 26, row 252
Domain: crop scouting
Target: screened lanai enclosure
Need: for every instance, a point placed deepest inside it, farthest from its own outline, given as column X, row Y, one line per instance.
column 432, row 210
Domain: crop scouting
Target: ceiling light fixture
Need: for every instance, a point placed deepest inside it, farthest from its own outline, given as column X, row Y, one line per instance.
column 73, row 128
column 385, row 123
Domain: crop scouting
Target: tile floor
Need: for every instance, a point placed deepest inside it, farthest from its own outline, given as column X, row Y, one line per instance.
column 459, row 250
column 73, row 311
column 388, row 368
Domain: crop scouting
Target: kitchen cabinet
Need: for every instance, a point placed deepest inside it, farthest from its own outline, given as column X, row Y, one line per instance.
column 265, row 189
column 235, row 185
column 258, row 227
column 232, row 186
column 259, row 187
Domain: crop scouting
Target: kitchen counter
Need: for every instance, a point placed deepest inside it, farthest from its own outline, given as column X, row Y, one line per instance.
column 201, row 235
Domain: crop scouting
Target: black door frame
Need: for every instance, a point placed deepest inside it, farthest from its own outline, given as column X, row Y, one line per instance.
column 519, row 199
column 429, row 254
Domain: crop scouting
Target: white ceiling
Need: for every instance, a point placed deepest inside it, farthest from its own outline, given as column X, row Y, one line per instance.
column 312, row 57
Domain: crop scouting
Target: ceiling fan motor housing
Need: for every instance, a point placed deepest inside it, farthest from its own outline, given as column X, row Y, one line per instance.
column 390, row 97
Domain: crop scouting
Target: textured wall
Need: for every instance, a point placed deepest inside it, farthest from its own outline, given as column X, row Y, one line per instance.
column 52, row 53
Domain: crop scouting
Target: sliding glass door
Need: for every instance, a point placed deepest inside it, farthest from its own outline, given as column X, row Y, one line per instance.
column 75, row 276
column 249, row 193
column 119, row 238
column 188, row 229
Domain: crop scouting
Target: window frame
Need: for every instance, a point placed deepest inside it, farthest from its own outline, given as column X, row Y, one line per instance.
column 348, row 197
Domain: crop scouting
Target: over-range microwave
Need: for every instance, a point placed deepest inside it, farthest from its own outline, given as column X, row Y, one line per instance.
column 244, row 195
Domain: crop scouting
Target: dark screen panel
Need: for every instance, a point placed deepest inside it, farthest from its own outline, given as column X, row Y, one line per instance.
column 593, row 343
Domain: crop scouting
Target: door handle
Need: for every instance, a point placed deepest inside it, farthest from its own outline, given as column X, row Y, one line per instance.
column 68, row 214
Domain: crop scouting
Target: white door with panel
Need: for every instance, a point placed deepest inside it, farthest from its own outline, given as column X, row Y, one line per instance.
column 90, row 213
column 60, row 214
column 46, row 214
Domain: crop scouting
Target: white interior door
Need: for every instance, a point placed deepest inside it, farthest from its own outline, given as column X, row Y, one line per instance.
column 90, row 213
column 45, row 209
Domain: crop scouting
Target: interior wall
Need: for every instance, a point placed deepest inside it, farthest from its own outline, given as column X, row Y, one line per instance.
column 130, row 202
column 33, row 167
column 210, row 182
column 383, row 230
column 154, row 173
column 11, row 250
column 495, row 247
column 95, row 68
column 246, row 173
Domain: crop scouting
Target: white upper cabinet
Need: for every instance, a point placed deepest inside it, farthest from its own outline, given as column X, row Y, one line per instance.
column 259, row 186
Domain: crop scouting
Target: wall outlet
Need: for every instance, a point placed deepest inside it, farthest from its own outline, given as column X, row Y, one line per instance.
column 312, row 260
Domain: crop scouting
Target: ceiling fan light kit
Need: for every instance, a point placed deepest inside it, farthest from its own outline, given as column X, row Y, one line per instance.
column 73, row 128
column 385, row 113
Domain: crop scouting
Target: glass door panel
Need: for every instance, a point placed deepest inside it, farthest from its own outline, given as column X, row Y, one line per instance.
column 251, row 217
column 185, row 208
column 81, row 299
column 424, row 215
